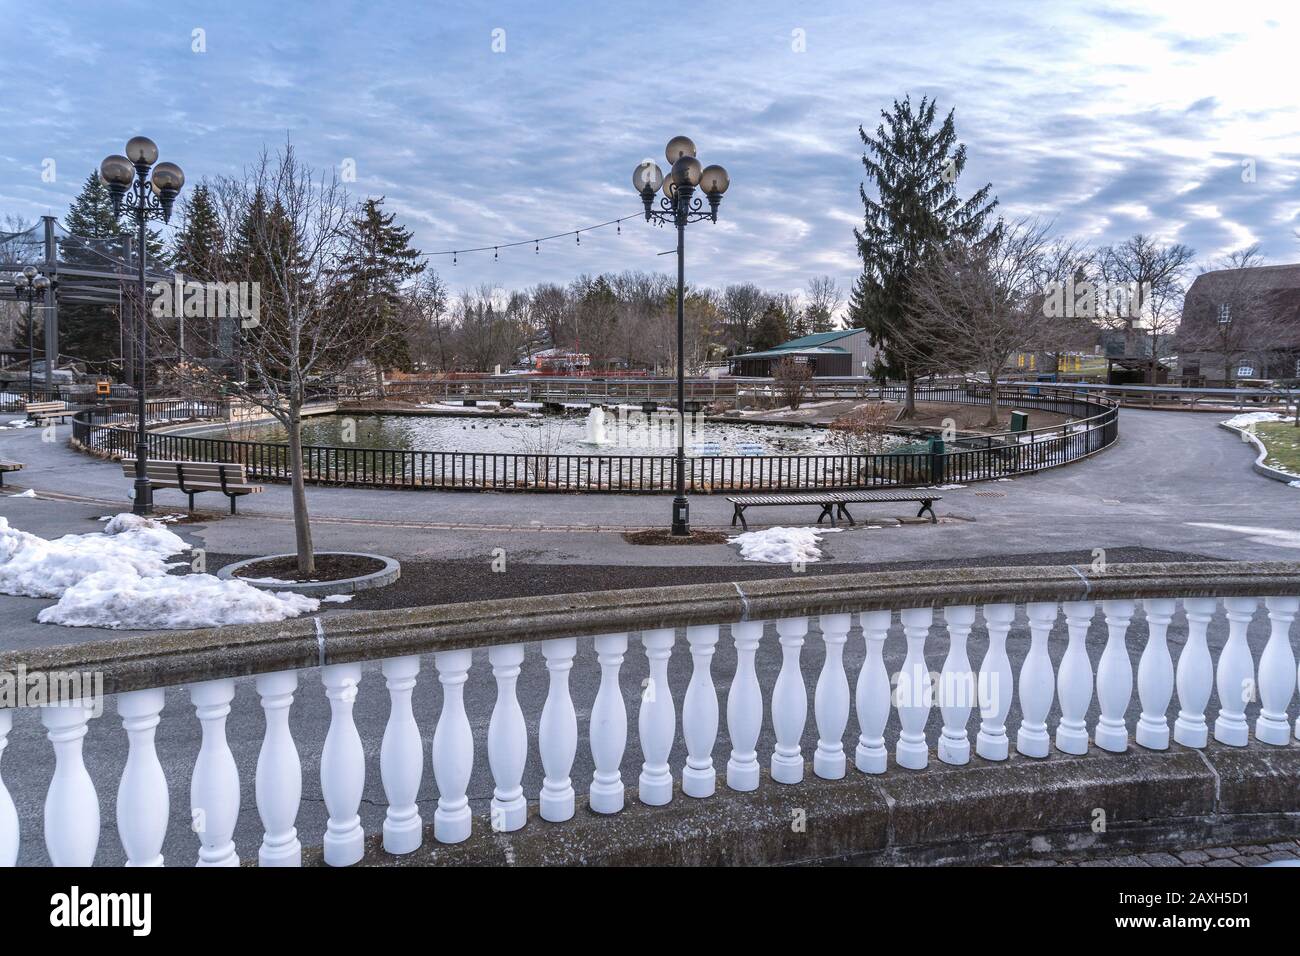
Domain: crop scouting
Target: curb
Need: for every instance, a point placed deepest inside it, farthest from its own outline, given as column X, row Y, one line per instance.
column 385, row 576
column 1259, row 466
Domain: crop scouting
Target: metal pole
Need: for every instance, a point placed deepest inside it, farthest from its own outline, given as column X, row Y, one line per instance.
column 51, row 271
column 31, row 349
column 143, row 503
column 681, row 508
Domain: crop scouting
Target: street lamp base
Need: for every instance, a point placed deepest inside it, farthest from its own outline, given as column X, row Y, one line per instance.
column 142, row 504
column 681, row 518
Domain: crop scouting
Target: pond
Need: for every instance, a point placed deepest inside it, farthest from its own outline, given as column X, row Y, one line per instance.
column 622, row 431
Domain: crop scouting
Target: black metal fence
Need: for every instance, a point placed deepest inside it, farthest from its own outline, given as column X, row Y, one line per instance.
column 107, row 429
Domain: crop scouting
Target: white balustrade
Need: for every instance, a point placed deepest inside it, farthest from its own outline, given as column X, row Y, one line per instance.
column 558, row 732
column 1235, row 676
column 1277, row 673
column 608, row 737
column 342, row 767
column 9, row 832
column 957, row 693
column 71, row 804
column 657, row 720
column 401, row 758
column 1155, row 677
column 700, row 714
column 995, row 684
column 744, row 709
column 1036, row 683
column 1114, row 679
column 914, row 692
column 789, row 703
column 1074, row 679
column 214, row 788
column 142, row 796
column 1195, row 675
column 831, row 699
column 453, row 749
column 279, row 773
column 72, row 824
column 872, row 694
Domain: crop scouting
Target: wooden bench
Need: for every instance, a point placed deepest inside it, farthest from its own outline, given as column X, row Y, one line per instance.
column 196, row 477
column 8, row 466
column 46, row 411
column 833, row 504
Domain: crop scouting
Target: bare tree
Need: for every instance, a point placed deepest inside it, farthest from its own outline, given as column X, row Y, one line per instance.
column 290, row 232
column 977, row 303
column 742, row 305
column 791, row 379
column 429, row 323
column 1152, row 309
column 824, row 299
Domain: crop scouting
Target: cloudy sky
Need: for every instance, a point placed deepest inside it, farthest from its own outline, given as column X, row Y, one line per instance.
column 491, row 122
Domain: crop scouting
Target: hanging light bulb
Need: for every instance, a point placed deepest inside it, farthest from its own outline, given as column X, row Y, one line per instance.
column 495, row 257
column 537, row 246
column 453, row 258
column 577, row 238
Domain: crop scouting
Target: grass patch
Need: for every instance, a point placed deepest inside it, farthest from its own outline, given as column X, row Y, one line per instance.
column 1282, row 441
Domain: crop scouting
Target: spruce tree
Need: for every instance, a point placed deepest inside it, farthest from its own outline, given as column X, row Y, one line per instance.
column 913, row 167
column 377, row 270
column 200, row 242
column 93, row 333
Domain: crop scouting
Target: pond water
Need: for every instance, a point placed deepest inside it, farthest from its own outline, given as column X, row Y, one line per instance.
column 616, row 432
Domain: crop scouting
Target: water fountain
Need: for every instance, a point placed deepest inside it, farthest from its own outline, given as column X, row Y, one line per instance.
column 596, row 427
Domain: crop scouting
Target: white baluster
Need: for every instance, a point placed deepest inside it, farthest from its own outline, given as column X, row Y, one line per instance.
column 342, row 767
column 401, row 758
column 1235, row 676
column 453, row 749
column 507, row 740
column 956, row 688
column 1195, row 677
column 789, row 703
column 831, row 699
column 1114, row 679
column 1277, row 673
column 1074, row 679
column 657, row 720
column 558, row 732
column 1037, row 683
column 1155, row 677
column 915, row 692
column 142, row 800
column 71, row 805
column 8, row 812
column 278, row 782
column 744, row 709
column 995, row 684
column 608, row 736
column 872, row 698
column 214, row 787
column 700, row 714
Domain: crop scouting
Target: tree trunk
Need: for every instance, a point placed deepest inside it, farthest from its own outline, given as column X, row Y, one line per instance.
column 379, row 381
column 909, row 400
column 301, row 520
column 993, row 401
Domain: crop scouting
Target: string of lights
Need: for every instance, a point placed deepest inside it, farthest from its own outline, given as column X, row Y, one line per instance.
column 496, row 248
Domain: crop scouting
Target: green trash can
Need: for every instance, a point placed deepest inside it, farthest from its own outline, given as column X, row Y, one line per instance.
column 936, row 450
column 1020, row 421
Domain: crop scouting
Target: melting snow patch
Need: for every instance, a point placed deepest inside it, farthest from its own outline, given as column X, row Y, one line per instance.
column 1250, row 418
column 118, row 579
column 29, row 493
column 337, row 599
column 781, row 545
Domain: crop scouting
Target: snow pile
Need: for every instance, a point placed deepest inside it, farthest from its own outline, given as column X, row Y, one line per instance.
column 29, row 493
column 781, row 545
column 1250, row 418
column 17, row 423
column 118, row 579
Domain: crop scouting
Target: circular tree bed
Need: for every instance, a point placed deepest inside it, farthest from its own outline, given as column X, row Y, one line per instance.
column 337, row 572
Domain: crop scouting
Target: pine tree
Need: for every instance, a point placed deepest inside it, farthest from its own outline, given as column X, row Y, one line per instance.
column 92, row 333
column 199, row 243
column 914, row 168
column 379, row 267
column 772, row 329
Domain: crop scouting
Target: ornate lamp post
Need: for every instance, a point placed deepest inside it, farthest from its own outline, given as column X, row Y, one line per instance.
column 127, row 178
column 678, row 206
column 28, row 284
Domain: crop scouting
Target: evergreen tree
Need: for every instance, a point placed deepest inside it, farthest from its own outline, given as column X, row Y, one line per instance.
column 93, row 333
column 914, row 168
column 200, row 242
column 773, row 328
column 380, row 265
